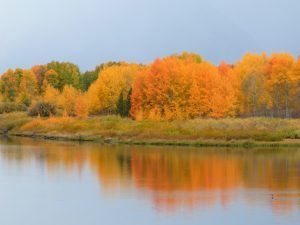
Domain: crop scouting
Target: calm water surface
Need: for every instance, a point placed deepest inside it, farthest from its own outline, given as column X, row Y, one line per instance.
column 61, row 183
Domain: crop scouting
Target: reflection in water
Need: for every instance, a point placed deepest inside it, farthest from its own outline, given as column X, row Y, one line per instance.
column 174, row 177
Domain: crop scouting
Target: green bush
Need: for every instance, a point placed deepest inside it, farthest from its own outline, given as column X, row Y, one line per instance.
column 43, row 109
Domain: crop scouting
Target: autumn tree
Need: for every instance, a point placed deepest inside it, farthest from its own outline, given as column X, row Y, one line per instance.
column 10, row 82
column 81, row 106
column 51, row 95
column 89, row 77
column 62, row 74
column 190, row 57
column 28, row 88
column 281, row 81
column 162, row 90
column 251, row 73
column 181, row 87
column 18, row 86
column 104, row 93
column 39, row 72
column 51, row 78
column 68, row 100
column 295, row 92
column 227, row 91
column 204, row 91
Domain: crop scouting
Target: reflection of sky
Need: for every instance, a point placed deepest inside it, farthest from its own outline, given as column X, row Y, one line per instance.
column 88, row 32
column 66, row 184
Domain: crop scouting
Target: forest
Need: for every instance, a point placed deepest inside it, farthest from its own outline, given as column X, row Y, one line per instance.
column 177, row 87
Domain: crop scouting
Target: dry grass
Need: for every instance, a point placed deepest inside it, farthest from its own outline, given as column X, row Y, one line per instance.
column 257, row 129
column 10, row 121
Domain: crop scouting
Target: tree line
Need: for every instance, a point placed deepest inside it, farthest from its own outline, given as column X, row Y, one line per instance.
column 180, row 86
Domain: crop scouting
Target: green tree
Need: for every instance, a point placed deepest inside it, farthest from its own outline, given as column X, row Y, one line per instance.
column 52, row 78
column 87, row 79
column 124, row 104
column 67, row 74
column 120, row 104
column 128, row 103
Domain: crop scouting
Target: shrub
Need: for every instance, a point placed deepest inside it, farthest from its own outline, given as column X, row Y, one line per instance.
column 43, row 109
column 8, row 107
column 21, row 107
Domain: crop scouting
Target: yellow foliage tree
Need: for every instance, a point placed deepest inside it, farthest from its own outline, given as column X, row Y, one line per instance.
column 18, row 86
column 104, row 93
column 251, row 74
column 281, row 82
column 68, row 100
column 51, row 95
column 295, row 92
column 28, row 88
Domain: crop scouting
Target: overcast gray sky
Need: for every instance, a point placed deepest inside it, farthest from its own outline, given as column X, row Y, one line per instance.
column 89, row 32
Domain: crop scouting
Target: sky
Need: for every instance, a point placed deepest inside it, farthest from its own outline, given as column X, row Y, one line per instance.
column 90, row 32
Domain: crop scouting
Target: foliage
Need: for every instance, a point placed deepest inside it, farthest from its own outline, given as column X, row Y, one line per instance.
column 124, row 103
column 178, row 87
column 251, row 73
column 81, row 106
column 63, row 73
column 18, row 86
column 51, row 95
column 68, row 100
column 281, row 82
column 39, row 72
column 103, row 95
column 89, row 77
column 43, row 109
column 181, row 88
column 8, row 107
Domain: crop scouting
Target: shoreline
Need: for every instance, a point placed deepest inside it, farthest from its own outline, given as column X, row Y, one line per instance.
column 227, row 132
column 288, row 143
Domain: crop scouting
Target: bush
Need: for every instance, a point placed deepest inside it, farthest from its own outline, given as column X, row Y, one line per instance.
column 22, row 107
column 43, row 109
column 8, row 107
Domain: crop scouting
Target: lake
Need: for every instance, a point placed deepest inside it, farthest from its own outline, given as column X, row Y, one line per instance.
column 63, row 183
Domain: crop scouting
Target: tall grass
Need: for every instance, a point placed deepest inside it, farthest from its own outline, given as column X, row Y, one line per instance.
column 257, row 129
column 10, row 121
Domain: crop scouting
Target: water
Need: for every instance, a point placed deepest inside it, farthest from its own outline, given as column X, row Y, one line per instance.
column 58, row 183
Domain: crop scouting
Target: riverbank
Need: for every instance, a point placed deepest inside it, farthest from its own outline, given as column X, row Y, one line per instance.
column 251, row 132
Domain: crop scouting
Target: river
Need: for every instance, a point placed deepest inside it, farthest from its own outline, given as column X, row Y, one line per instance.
column 64, row 183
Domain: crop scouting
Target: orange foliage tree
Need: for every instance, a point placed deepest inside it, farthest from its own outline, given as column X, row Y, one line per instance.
column 181, row 87
column 176, row 87
column 81, row 106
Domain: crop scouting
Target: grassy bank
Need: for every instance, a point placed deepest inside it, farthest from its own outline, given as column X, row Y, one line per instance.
column 198, row 132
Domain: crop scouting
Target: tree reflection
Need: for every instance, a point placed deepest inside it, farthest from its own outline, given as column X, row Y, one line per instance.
column 174, row 177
